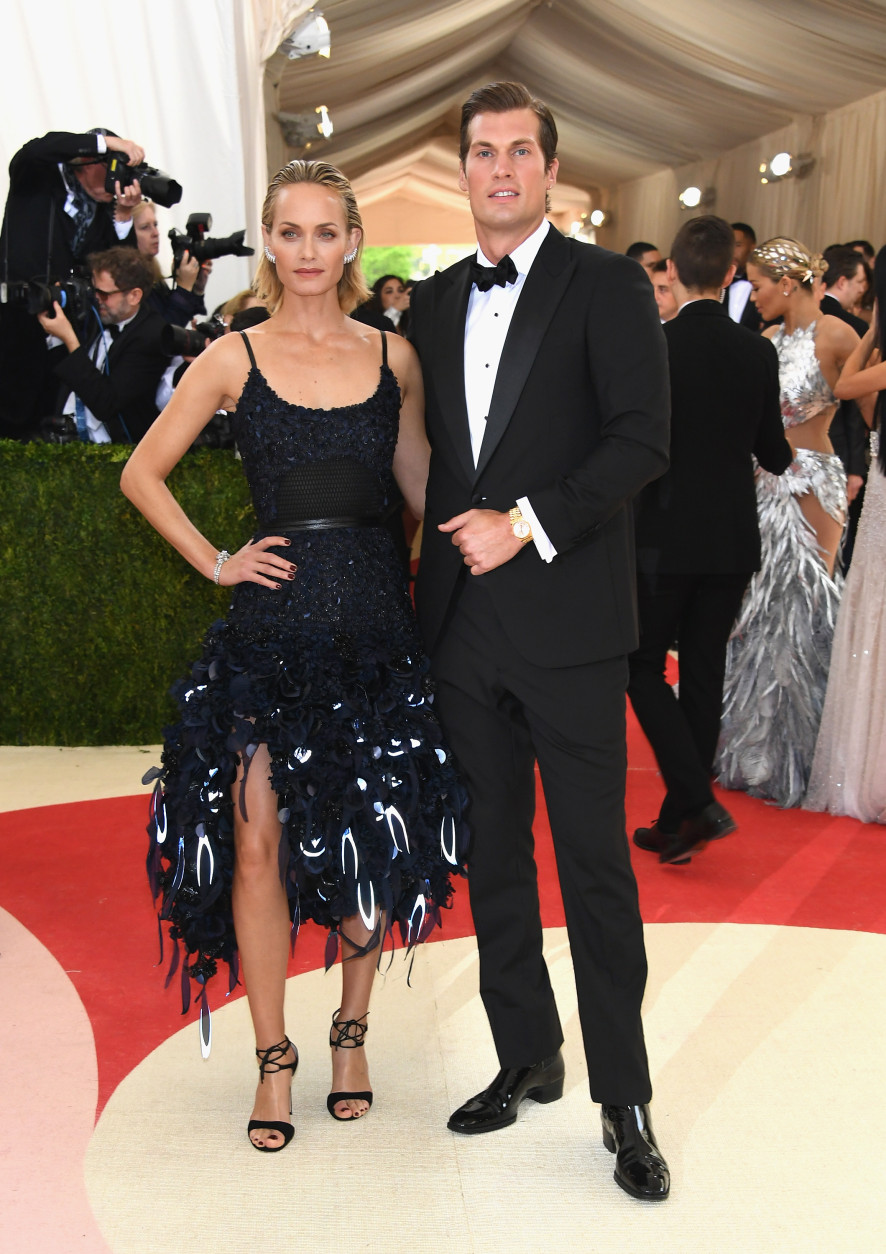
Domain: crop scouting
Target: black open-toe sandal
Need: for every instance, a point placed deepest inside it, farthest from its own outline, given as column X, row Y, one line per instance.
column 269, row 1061
column 347, row 1034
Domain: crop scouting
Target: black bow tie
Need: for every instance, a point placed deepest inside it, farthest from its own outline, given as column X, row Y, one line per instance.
column 114, row 330
column 490, row 276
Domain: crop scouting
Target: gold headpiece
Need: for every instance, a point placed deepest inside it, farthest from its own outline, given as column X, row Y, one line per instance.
column 788, row 258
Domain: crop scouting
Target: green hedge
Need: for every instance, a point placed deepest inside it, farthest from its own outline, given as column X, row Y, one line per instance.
column 98, row 614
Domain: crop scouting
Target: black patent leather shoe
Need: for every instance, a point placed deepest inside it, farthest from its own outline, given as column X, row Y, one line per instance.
column 654, row 840
column 640, row 1168
column 711, row 823
column 497, row 1106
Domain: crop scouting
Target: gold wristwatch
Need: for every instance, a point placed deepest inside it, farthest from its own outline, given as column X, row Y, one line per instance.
column 519, row 525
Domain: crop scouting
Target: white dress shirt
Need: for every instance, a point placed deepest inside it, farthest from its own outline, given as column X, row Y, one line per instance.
column 486, row 329
column 738, row 294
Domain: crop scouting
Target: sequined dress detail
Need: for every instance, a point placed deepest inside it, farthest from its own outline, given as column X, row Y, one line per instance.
column 778, row 655
column 329, row 673
column 849, row 770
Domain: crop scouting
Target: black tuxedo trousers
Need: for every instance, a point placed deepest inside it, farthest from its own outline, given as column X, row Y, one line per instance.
column 502, row 713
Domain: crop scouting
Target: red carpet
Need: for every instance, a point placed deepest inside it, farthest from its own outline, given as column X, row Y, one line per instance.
column 74, row 876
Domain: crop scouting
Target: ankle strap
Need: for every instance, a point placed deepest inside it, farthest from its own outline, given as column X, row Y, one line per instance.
column 270, row 1059
column 347, row 1033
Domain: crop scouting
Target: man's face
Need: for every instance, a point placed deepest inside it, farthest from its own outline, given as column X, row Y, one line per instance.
column 91, row 177
column 850, row 291
column 648, row 261
column 114, row 305
column 744, row 246
column 664, row 297
column 504, row 174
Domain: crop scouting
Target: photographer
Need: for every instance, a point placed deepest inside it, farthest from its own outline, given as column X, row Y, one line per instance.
column 57, row 212
column 183, row 301
column 110, row 383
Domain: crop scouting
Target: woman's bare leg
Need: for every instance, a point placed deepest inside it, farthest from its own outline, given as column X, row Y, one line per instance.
column 828, row 531
column 261, row 920
column 350, row 1070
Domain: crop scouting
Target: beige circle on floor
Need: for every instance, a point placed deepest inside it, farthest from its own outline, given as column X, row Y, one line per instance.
column 766, row 1045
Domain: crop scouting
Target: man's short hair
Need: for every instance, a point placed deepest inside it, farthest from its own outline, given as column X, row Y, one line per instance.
column 660, row 267
column 640, row 247
column 865, row 245
column 745, row 230
column 843, row 263
column 504, row 98
column 126, row 266
column 702, row 252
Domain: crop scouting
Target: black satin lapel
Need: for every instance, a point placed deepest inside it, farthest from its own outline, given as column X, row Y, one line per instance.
column 449, row 366
column 542, row 293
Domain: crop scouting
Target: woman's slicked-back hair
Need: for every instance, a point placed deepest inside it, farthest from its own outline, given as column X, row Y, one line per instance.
column 352, row 289
column 503, row 98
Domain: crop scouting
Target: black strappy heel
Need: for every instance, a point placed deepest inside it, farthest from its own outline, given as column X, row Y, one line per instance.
column 269, row 1060
column 347, row 1034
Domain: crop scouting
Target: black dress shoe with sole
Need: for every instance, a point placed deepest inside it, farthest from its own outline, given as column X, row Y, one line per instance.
column 640, row 1168
column 497, row 1106
column 654, row 840
column 711, row 823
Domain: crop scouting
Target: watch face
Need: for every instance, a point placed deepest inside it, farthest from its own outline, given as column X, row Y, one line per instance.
column 522, row 529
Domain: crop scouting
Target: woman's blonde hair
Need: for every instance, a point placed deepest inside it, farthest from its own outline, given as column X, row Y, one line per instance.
column 237, row 303
column 143, row 205
column 783, row 258
column 352, row 289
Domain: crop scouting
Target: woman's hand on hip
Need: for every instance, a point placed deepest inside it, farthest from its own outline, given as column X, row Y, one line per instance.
column 255, row 564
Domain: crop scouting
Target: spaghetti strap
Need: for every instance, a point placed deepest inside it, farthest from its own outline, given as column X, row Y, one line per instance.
column 384, row 347
column 249, row 350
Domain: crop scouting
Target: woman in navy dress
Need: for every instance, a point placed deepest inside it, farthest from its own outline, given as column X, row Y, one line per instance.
column 306, row 777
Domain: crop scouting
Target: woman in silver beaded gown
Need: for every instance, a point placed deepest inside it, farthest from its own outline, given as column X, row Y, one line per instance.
column 779, row 652
column 849, row 770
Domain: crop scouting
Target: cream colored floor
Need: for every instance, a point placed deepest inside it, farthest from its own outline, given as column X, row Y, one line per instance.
column 766, row 1046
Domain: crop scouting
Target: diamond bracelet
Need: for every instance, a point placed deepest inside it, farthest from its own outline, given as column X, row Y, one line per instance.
column 220, row 559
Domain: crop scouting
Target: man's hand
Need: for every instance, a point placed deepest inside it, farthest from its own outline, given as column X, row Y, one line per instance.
column 133, row 152
column 484, row 537
column 126, row 201
column 854, row 484
column 57, row 324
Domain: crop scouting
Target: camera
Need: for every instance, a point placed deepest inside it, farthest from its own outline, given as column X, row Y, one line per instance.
column 74, row 294
column 195, row 240
column 160, row 187
column 183, row 342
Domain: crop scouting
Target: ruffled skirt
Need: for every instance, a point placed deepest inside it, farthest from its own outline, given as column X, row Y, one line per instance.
column 779, row 652
column 328, row 673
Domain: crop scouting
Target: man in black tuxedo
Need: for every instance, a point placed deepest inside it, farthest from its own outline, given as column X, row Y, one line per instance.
column 58, row 211
column 737, row 292
column 110, row 383
column 845, row 282
column 697, row 535
column 547, row 411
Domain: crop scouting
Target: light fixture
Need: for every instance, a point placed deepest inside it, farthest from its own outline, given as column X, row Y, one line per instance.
column 310, row 36
column 784, row 166
column 692, row 197
column 301, row 129
column 599, row 217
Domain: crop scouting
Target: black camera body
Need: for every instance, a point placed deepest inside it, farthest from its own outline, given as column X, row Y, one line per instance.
column 160, row 187
column 183, row 342
column 74, row 293
column 196, row 241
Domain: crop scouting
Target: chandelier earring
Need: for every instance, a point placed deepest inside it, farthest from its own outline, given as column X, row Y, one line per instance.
column 352, row 256
column 270, row 256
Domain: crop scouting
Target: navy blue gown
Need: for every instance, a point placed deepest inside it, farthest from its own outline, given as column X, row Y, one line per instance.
column 329, row 673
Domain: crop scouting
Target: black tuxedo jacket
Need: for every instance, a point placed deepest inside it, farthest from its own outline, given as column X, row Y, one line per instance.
column 578, row 423
column 701, row 517
column 848, row 432
column 750, row 316
column 37, row 193
column 123, row 397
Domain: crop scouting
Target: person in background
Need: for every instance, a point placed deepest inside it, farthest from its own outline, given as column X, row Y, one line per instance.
column 737, row 293
column 646, row 254
column 184, row 300
column 664, row 295
column 387, row 307
column 247, row 299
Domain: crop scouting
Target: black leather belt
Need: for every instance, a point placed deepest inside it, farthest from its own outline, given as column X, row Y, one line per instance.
column 320, row 524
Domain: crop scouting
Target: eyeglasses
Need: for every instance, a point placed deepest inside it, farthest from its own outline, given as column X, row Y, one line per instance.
column 116, row 291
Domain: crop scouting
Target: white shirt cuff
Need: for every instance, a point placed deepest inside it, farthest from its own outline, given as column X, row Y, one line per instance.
column 122, row 228
column 546, row 550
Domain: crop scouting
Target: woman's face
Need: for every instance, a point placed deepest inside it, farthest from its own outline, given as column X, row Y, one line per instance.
column 392, row 293
column 768, row 294
column 309, row 238
column 147, row 233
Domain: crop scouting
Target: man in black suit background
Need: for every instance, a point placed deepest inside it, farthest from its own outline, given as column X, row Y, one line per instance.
column 698, row 541
column 110, row 383
column 737, row 292
column 845, row 282
column 547, row 411
column 58, row 211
